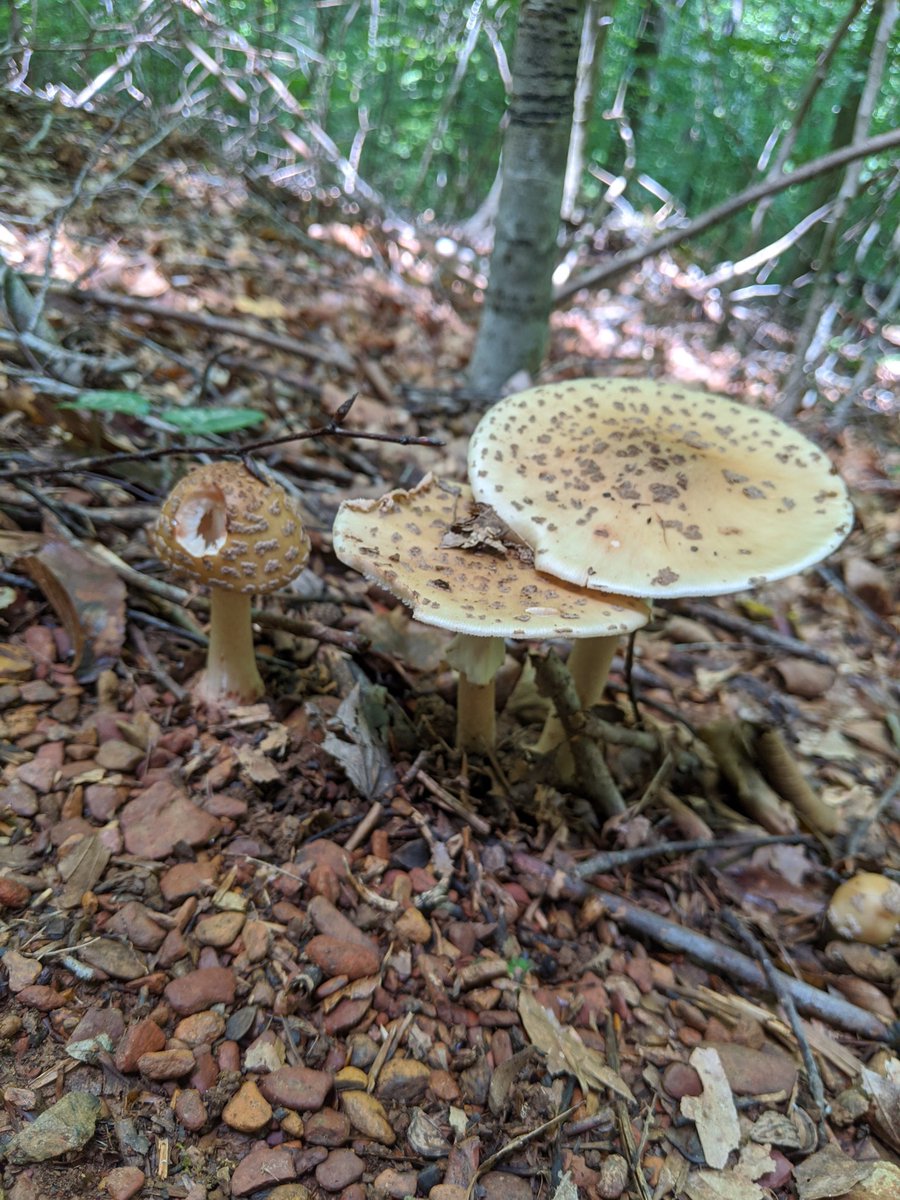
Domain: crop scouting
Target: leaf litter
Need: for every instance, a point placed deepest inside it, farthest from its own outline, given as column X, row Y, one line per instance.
column 316, row 896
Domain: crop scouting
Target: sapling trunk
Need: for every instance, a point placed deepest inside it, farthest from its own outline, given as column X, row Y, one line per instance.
column 231, row 673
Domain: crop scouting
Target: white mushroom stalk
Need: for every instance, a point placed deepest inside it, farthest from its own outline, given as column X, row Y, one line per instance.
column 408, row 542
column 224, row 527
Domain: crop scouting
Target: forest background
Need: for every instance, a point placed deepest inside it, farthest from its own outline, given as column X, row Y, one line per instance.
column 397, row 109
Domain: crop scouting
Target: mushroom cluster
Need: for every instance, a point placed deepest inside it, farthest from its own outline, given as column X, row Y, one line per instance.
column 237, row 534
column 407, row 541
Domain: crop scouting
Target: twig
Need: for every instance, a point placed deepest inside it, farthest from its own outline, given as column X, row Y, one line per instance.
column 607, row 860
column 834, row 581
column 447, row 800
column 332, row 428
column 623, row 1117
column 594, row 776
column 333, row 357
column 711, row 953
column 787, row 1003
column 753, row 631
column 862, row 827
column 365, row 827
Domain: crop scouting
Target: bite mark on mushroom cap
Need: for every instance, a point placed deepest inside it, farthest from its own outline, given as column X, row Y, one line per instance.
column 396, row 541
column 226, row 528
column 653, row 489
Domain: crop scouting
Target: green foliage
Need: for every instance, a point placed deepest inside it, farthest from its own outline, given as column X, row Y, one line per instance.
column 193, row 420
column 411, row 93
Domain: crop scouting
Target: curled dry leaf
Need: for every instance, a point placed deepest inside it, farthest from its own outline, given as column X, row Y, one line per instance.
column 713, row 1112
column 565, row 1050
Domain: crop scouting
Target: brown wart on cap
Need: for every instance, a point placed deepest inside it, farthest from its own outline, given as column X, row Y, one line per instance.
column 401, row 542
column 223, row 527
column 652, row 489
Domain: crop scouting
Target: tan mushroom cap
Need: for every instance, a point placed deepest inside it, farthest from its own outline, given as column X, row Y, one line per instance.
column 652, row 489
column 224, row 527
column 396, row 541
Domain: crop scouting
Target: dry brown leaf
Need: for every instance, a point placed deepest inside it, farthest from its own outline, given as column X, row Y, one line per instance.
column 565, row 1050
column 713, row 1112
column 884, row 1092
column 86, row 595
column 829, row 1172
column 256, row 766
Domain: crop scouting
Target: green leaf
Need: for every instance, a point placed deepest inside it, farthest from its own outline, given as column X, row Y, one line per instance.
column 199, row 421
column 132, row 403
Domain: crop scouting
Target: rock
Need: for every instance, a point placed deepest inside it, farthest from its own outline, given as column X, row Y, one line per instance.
column 247, row 1111
column 12, row 893
column 67, row 1125
column 41, row 997
column 161, row 817
column 200, row 1029
column 882, row 1184
column 257, row 939
column 265, row 1053
column 403, row 1079
column 448, row 1191
column 327, row 1127
column 444, row 1086
column 328, row 920
column 102, row 801
column 187, row 879
column 680, row 1079
column 190, row 1109
column 345, row 1015
column 144, row 1037
column 199, row 989
column 116, row 755
column 22, row 971
column 755, row 1072
column 395, row 1184
column 124, row 1182
column 501, row 1185
column 117, row 959
column 260, row 1169
column 135, row 922
column 368, row 1116
column 323, row 852
column 220, row 929
column 613, row 1177
column 337, row 957
column 412, row 926
column 300, row 1088
column 290, row 1191
column 95, row 1022
column 20, row 798
column 166, row 1064
column 339, row 1170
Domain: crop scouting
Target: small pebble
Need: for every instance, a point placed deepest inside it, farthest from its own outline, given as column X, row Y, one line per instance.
column 124, row 1182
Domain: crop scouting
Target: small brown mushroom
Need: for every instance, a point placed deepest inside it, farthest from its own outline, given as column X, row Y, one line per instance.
column 225, row 528
column 405, row 542
column 866, row 908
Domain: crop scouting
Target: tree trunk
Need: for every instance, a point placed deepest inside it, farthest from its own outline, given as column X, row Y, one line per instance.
column 515, row 322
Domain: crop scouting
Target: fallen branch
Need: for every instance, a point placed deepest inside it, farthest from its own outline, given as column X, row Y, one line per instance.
column 754, row 631
column 706, row 950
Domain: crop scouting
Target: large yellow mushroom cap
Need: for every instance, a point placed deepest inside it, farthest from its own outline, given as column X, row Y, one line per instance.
column 652, row 489
column 402, row 542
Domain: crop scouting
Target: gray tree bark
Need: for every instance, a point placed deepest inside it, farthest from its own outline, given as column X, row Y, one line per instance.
column 515, row 322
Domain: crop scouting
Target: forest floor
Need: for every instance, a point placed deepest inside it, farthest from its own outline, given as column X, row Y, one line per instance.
column 302, row 950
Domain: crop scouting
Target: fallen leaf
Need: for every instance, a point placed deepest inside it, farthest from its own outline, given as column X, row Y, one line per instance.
column 82, row 868
column 566, row 1052
column 829, row 1172
column 364, row 756
column 884, row 1092
column 86, row 595
column 256, row 766
column 713, row 1112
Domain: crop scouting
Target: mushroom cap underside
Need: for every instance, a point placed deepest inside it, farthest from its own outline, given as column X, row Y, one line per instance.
column 653, row 489
column 398, row 539
column 226, row 528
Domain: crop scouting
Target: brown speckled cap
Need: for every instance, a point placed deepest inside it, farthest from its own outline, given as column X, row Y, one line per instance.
column 652, row 489
column 224, row 527
column 397, row 541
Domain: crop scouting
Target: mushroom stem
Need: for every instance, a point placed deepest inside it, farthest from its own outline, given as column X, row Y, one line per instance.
column 477, row 659
column 231, row 673
column 588, row 663
column 475, row 721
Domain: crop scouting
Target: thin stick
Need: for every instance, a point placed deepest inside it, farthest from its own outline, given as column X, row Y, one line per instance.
column 787, row 1003
column 711, row 953
column 757, row 633
column 607, row 860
